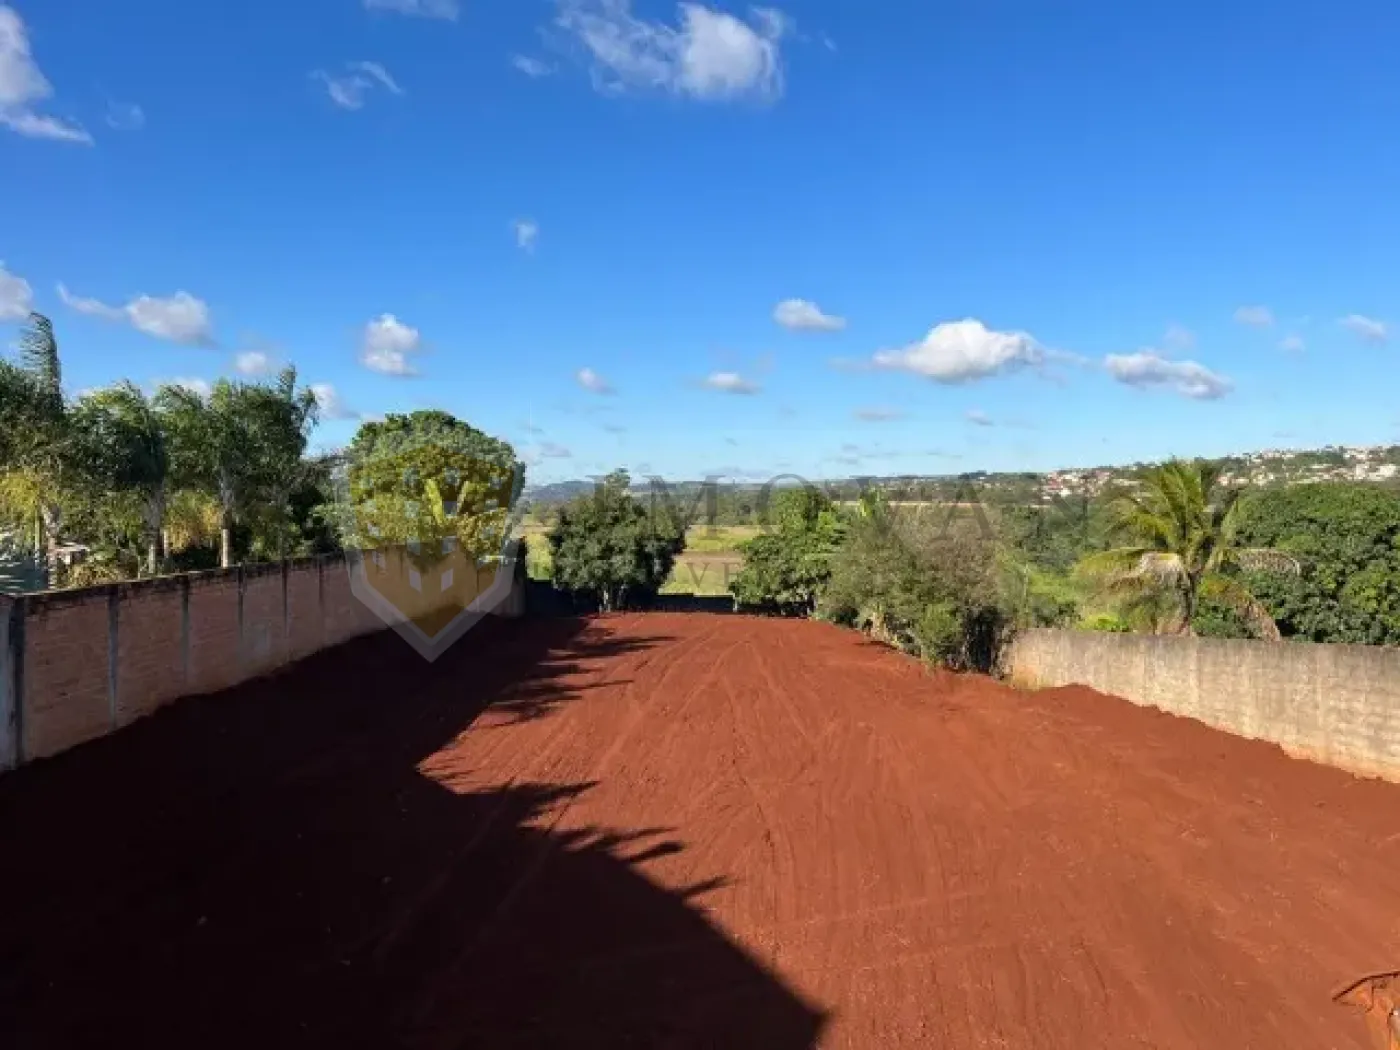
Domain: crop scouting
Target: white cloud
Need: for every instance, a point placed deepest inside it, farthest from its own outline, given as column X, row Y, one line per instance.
column 377, row 72
column 447, row 10
column 387, row 344
column 1180, row 338
column 91, row 307
column 179, row 318
column 878, row 415
column 349, row 90
column 331, row 404
column 1147, row 369
column 37, row 126
column 710, row 55
column 979, row 418
column 527, row 232
column 729, row 383
column 125, row 116
column 1366, row 328
column 1292, row 344
column 593, row 382
column 252, row 363
column 799, row 315
column 550, row 450
column 16, row 296
column 1255, row 316
column 22, row 84
column 531, row 67
column 963, row 351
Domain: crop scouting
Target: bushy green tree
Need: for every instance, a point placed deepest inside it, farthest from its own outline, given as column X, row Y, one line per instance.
column 417, row 480
column 611, row 548
column 928, row 584
column 1346, row 538
column 786, row 567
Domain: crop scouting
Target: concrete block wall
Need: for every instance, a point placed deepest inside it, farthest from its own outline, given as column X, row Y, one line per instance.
column 1337, row 704
column 79, row 664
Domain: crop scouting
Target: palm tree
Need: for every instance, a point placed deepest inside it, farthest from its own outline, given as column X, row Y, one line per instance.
column 243, row 443
column 1180, row 535
column 35, row 457
column 123, row 443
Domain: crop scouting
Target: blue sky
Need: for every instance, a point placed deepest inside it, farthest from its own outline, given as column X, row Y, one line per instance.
column 825, row 238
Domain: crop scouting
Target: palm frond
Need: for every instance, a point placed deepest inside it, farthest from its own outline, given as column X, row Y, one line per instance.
column 1233, row 594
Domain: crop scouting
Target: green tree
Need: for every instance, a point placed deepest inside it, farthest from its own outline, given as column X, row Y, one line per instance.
column 35, row 451
column 926, row 583
column 122, row 442
column 786, row 568
column 609, row 547
column 1346, row 536
column 420, row 479
column 241, row 443
column 1180, row 544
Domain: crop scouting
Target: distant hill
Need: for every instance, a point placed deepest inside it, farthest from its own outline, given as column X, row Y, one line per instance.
column 1270, row 467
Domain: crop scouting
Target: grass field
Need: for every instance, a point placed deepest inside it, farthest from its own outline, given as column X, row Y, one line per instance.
column 710, row 561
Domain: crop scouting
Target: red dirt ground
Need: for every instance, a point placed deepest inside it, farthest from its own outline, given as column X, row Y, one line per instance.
column 683, row 831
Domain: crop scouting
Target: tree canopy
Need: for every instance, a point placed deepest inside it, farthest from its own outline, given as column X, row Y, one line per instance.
column 611, row 548
column 786, row 567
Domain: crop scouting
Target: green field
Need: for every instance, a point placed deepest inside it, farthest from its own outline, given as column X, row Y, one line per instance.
column 710, row 561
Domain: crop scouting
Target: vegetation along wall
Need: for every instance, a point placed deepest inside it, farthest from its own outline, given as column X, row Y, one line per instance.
column 79, row 664
column 1337, row 704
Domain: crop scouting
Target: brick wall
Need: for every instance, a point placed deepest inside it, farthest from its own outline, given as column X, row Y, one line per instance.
column 78, row 664
column 1338, row 704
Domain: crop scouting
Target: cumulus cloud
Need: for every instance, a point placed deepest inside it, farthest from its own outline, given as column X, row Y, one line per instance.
column 387, row 346
column 252, row 363
column 710, row 55
column 179, row 318
column 1292, row 344
column 964, row 351
column 729, row 383
column 125, row 116
column 593, row 382
column 1255, row 316
column 1147, row 369
column 349, row 90
column 531, row 67
column 799, row 315
column 331, row 404
column 22, row 85
column 1366, row 328
column 527, row 233
column 878, row 415
column 446, row 10
column 16, row 296
column 977, row 417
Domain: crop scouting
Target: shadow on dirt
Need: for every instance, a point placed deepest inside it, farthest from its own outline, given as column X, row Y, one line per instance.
column 267, row 867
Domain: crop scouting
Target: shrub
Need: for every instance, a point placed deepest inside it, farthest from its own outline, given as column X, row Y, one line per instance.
column 930, row 588
column 607, row 548
column 786, row 570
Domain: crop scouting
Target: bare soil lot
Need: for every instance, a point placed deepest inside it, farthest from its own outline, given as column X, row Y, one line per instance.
column 683, row 831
